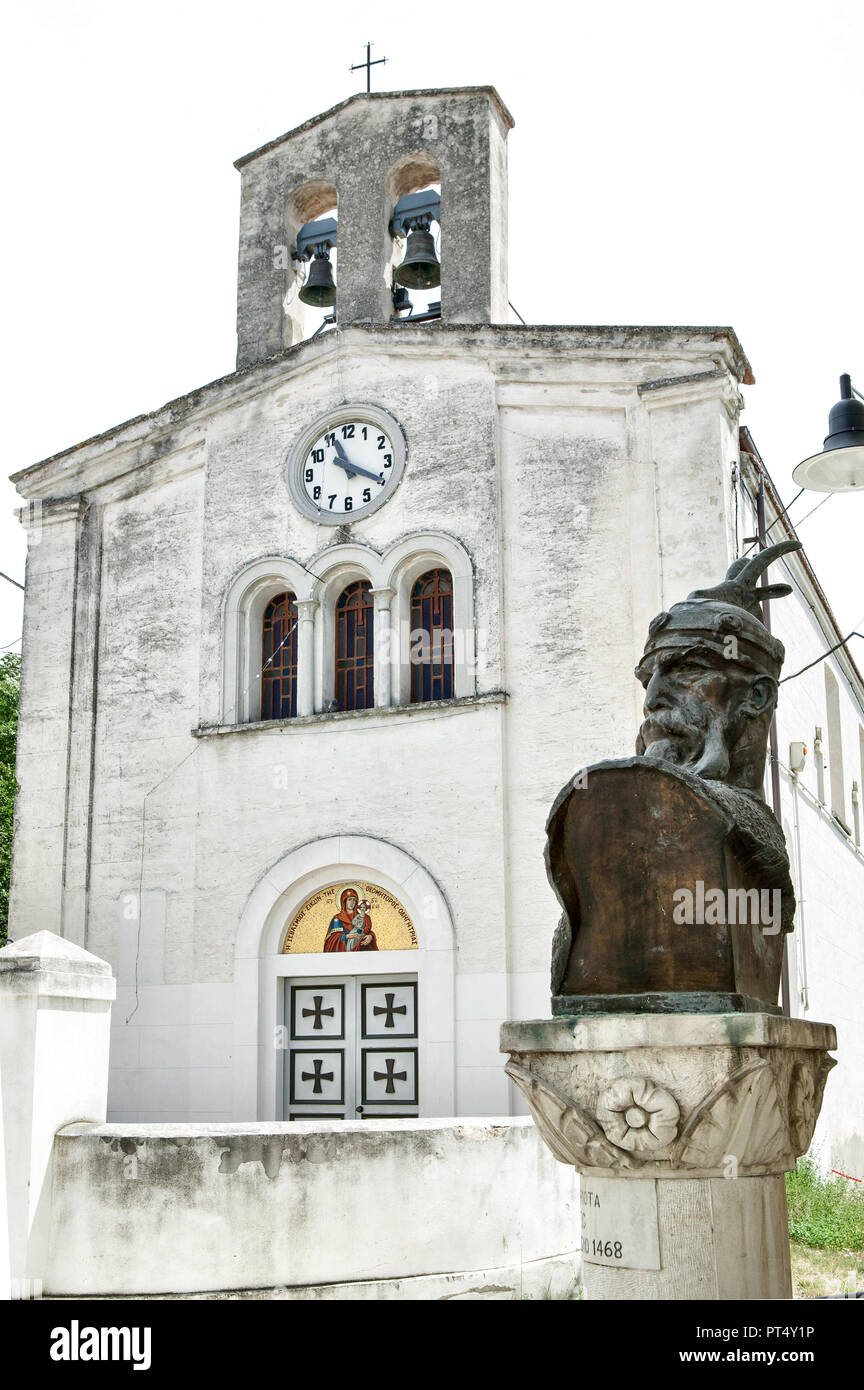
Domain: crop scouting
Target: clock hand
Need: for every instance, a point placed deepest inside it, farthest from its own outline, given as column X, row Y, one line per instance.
column 352, row 468
column 342, row 458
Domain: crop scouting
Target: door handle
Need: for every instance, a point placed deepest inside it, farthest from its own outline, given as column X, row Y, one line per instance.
column 359, row 1109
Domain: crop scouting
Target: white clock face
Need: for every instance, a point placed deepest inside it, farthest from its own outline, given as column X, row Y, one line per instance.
column 347, row 465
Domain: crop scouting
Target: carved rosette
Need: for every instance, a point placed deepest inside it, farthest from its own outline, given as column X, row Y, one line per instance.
column 712, row 1109
column 637, row 1115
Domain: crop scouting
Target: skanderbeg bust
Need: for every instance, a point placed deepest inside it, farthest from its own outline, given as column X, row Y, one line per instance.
column 671, row 869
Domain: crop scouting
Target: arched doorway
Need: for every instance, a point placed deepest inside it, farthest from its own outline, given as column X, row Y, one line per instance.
column 293, row 906
column 351, row 1039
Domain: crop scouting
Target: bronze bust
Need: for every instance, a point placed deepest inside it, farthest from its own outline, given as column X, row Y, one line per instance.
column 629, row 839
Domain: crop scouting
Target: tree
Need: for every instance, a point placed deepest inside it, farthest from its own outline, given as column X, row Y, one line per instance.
column 10, row 675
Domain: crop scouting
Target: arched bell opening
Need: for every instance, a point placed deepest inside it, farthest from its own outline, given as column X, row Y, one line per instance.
column 414, row 188
column 311, row 219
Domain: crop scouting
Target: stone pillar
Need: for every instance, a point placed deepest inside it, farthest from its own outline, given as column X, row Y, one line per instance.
column 306, row 609
column 46, row 713
column 55, row 1016
column 383, row 647
column 681, row 1126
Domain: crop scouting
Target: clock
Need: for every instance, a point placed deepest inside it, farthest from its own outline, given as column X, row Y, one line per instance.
column 346, row 464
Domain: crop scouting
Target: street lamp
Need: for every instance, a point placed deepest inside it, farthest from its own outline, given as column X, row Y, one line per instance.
column 840, row 465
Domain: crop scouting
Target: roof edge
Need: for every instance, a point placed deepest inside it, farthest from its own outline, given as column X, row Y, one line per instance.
column 375, row 96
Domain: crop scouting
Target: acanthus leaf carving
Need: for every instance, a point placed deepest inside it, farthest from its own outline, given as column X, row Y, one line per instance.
column 806, row 1084
column 569, row 1133
column 740, row 1117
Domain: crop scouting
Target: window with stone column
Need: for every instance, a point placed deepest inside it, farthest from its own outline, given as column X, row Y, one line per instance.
column 279, row 658
column 355, row 647
column 431, row 641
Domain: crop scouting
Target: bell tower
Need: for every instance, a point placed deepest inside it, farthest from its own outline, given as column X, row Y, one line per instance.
column 362, row 158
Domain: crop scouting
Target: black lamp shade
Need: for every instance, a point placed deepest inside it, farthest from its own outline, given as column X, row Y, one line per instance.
column 840, row 465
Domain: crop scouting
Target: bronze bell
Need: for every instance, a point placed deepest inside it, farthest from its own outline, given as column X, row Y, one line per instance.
column 320, row 287
column 420, row 268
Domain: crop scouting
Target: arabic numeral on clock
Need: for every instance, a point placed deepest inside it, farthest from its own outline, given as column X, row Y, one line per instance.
column 388, row 460
column 367, row 494
column 332, row 500
column 365, row 432
column 317, row 455
column 316, row 493
column 347, row 431
column 382, row 441
column 309, row 474
column 329, row 441
column 349, row 505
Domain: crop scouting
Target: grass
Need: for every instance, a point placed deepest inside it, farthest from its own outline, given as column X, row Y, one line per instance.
column 817, row 1273
column 825, row 1213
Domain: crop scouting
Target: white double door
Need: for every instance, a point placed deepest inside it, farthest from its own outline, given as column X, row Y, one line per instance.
column 352, row 1048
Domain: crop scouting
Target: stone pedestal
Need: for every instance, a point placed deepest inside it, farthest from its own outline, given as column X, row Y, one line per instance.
column 55, row 1015
column 681, row 1126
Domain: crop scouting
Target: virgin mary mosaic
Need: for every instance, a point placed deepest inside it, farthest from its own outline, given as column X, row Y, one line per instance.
column 350, row 917
column 351, row 928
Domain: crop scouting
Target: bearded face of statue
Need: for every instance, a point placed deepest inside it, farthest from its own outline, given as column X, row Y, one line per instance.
column 706, row 714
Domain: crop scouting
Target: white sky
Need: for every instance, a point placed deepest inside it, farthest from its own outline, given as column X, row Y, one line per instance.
column 705, row 164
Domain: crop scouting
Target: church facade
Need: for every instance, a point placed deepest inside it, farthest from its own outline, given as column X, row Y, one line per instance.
column 309, row 652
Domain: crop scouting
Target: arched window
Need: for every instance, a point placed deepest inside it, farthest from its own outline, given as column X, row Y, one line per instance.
column 279, row 659
column 432, row 637
column 355, row 647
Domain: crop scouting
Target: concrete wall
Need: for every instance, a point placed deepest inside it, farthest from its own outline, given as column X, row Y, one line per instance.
column 358, row 1210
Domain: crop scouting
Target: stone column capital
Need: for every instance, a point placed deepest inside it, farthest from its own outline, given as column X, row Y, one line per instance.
column 673, row 1095
column 37, row 514
column 383, row 597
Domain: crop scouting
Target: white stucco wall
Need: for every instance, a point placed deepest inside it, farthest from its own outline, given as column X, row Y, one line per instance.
column 826, row 949
column 568, row 466
column 419, row 1209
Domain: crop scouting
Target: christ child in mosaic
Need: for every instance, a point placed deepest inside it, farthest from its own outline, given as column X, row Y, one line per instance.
column 351, row 928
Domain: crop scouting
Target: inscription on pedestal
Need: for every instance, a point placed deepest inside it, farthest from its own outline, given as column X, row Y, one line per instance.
column 619, row 1223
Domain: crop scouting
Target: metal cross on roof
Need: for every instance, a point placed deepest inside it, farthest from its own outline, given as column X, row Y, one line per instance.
column 368, row 65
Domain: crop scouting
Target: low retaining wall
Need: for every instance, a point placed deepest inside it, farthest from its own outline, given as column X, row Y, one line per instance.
column 407, row 1209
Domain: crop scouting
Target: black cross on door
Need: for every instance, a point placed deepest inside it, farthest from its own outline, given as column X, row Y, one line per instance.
column 317, row 1013
column 316, row 1076
column 390, row 1075
column 389, row 1009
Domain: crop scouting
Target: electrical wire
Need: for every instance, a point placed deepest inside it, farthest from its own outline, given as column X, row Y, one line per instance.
column 783, row 512
column 811, row 664
column 825, row 499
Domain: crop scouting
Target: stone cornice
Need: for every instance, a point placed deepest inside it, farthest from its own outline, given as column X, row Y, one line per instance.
column 163, row 430
column 369, row 98
column 428, row 709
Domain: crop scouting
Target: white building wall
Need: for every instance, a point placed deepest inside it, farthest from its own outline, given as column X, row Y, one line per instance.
column 586, row 483
column 826, row 949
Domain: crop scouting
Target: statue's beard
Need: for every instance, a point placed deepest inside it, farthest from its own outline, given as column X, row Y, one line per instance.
column 694, row 737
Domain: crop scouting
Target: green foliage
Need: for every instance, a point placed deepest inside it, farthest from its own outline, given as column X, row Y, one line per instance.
column 10, row 673
column 825, row 1212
